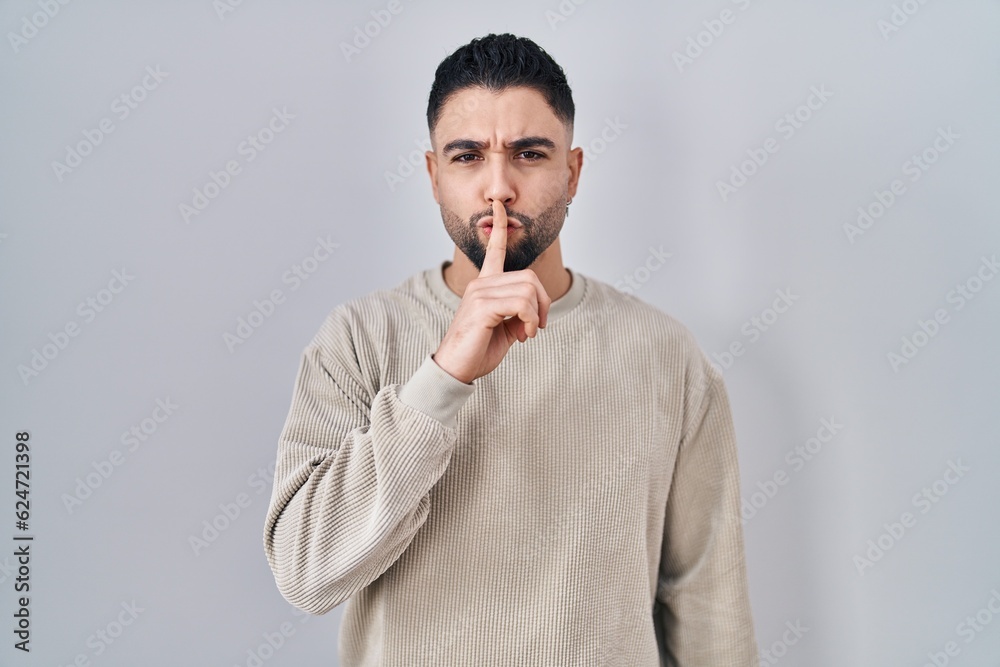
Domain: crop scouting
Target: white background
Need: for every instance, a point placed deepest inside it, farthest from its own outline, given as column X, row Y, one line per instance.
column 686, row 125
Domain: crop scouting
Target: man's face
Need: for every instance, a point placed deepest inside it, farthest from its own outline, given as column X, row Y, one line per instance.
column 508, row 146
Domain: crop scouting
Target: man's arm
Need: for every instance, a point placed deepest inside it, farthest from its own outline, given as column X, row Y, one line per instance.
column 354, row 470
column 703, row 615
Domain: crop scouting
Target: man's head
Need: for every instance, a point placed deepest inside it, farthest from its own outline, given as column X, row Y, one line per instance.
column 500, row 115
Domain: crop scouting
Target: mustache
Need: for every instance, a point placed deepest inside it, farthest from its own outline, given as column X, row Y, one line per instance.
column 520, row 217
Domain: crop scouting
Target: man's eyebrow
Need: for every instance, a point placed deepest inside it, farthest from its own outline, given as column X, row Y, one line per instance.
column 516, row 144
column 532, row 142
column 463, row 145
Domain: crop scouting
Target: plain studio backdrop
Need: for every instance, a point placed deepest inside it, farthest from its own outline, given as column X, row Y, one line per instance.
column 188, row 188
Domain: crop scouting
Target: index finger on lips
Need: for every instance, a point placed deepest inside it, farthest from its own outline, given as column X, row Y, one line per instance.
column 496, row 249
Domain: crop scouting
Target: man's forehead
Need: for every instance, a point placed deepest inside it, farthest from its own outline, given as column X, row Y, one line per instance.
column 481, row 115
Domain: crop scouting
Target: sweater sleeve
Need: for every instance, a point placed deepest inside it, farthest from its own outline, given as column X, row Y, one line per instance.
column 354, row 471
column 703, row 614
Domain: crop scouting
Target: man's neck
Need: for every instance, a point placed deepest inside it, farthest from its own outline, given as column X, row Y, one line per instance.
column 548, row 267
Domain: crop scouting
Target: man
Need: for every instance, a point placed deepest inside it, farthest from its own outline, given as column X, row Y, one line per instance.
column 569, row 500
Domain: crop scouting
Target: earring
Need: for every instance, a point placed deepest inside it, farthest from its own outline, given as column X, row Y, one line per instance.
column 568, row 202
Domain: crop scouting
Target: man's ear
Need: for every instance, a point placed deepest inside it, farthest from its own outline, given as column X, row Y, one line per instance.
column 575, row 164
column 431, row 158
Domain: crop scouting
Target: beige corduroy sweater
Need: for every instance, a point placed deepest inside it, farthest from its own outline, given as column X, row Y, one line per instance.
column 577, row 506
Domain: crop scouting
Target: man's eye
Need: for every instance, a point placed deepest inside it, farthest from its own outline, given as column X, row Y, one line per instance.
column 530, row 156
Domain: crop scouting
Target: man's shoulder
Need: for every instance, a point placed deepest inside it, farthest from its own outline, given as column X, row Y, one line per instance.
column 376, row 309
column 394, row 301
column 357, row 332
column 646, row 329
column 640, row 317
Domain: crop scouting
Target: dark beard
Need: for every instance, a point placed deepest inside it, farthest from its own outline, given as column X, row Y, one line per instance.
column 535, row 236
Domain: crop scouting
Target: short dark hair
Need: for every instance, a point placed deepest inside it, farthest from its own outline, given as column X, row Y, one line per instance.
column 499, row 62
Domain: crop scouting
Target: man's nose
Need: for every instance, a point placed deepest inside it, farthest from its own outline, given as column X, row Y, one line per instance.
column 500, row 183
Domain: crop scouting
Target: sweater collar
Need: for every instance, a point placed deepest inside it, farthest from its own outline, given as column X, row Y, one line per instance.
column 560, row 307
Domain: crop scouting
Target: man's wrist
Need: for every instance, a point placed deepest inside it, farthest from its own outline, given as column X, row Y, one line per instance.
column 445, row 368
column 435, row 392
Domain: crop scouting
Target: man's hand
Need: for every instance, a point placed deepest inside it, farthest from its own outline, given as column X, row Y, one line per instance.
column 481, row 333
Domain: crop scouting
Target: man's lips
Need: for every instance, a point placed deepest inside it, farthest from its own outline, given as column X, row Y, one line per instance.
column 488, row 222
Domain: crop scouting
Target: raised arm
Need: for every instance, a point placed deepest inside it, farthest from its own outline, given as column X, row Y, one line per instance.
column 354, row 470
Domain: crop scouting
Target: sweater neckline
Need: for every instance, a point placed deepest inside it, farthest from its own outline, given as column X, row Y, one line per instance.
column 560, row 307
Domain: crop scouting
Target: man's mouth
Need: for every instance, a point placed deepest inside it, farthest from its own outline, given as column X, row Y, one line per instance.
column 487, row 223
column 510, row 230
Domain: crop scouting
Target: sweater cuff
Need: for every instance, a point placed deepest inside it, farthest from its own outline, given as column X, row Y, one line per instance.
column 435, row 392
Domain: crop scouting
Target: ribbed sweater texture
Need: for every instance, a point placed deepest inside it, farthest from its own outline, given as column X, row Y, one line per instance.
column 579, row 505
